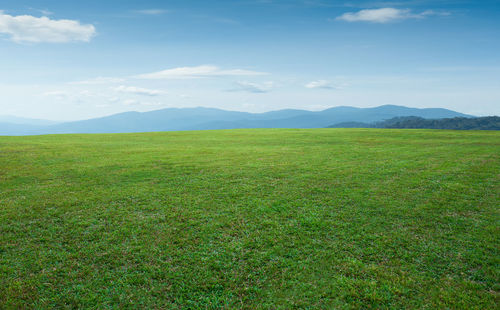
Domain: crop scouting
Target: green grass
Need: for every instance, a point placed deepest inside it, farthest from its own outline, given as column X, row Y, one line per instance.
column 254, row 219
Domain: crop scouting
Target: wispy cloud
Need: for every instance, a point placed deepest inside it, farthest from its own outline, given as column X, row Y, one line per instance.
column 46, row 12
column 254, row 87
column 197, row 72
column 396, row 3
column 27, row 28
column 72, row 96
column 323, row 84
column 152, row 11
column 138, row 91
column 386, row 15
column 435, row 13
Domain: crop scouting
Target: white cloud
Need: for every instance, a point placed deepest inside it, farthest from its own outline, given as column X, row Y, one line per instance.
column 27, row 28
column 324, row 84
column 152, row 11
column 386, row 15
column 254, row 87
column 197, row 72
column 138, row 90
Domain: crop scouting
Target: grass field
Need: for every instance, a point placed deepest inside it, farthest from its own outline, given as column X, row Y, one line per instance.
column 254, row 219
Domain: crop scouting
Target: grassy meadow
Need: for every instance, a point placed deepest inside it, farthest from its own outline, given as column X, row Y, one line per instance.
column 251, row 219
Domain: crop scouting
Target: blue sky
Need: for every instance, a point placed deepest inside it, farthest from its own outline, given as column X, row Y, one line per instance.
column 68, row 60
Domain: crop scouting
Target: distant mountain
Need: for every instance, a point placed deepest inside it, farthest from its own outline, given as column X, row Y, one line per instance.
column 207, row 118
column 414, row 122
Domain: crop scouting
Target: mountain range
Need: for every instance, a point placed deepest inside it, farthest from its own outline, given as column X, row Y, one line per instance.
column 173, row 119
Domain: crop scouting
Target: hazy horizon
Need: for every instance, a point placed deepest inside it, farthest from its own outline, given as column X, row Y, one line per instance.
column 201, row 107
column 73, row 61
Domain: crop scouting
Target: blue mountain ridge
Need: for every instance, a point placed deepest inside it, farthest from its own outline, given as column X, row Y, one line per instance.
column 173, row 119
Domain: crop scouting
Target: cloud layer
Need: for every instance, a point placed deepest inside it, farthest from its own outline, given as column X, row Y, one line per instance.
column 197, row 72
column 27, row 28
column 385, row 15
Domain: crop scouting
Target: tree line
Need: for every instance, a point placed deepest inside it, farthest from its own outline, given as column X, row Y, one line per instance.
column 414, row 122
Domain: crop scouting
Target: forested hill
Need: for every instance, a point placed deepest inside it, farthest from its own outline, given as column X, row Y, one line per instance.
column 456, row 123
